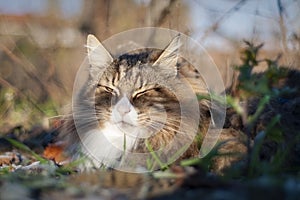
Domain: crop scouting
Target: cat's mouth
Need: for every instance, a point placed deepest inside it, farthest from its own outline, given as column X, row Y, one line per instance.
column 124, row 124
column 132, row 130
column 125, row 127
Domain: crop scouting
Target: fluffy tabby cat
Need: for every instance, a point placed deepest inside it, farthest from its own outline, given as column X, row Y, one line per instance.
column 128, row 103
column 130, row 100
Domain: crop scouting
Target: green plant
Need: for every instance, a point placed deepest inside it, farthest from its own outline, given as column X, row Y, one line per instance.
column 250, row 97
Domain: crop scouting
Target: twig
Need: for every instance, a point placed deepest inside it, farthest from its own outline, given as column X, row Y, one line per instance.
column 214, row 27
column 164, row 13
column 162, row 16
column 17, row 91
column 282, row 26
column 28, row 68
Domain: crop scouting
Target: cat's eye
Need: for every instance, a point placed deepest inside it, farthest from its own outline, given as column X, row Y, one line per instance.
column 142, row 92
column 106, row 88
column 138, row 94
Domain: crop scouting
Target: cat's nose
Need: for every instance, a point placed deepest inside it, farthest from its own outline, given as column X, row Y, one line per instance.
column 123, row 109
column 124, row 106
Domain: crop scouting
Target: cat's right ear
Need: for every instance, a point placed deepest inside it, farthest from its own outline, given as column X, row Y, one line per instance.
column 167, row 61
column 99, row 58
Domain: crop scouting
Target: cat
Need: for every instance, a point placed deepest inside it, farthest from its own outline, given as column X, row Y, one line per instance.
column 135, row 114
column 138, row 99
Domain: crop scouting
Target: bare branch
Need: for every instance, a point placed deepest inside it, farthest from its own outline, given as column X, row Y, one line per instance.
column 27, row 67
column 282, row 26
column 18, row 92
column 227, row 14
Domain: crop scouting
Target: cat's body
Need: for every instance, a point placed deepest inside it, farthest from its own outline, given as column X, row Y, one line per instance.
column 143, row 101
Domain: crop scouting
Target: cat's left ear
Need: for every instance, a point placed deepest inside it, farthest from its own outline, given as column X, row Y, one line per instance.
column 167, row 61
column 98, row 56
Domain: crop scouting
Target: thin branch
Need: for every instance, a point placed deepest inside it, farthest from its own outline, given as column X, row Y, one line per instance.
column 164, row 13
column 28, row 68
column 215, row 26
column 282, row 26
column 159, row 16
column 5, row 83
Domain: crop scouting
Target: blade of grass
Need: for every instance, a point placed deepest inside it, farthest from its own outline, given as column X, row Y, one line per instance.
column 25, row 148
column 155, row 156
column 261, row 106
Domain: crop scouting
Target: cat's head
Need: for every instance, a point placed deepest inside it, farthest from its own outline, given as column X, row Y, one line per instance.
column 135, row 91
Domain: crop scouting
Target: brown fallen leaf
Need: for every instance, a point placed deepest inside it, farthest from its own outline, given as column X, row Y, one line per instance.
column 55, row 152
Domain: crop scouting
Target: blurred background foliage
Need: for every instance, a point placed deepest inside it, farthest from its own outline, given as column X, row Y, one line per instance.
column 42, row 42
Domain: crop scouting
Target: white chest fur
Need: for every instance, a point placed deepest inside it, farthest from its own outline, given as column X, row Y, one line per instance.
column 118, row 135
column 106, row 146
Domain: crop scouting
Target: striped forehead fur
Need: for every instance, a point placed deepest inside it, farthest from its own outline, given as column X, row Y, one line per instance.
column 129, row 66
